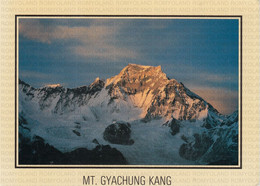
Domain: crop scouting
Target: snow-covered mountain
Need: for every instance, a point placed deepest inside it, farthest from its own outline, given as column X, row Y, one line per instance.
column 144, row 115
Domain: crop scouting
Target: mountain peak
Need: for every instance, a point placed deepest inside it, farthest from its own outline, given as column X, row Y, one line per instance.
column 98, row 82
column 134, row 73
column 144, row 87
column 140, row 68
column 53, row 85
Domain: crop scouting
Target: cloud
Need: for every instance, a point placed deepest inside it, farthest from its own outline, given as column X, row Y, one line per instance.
column 217, row 88
column 107, row 52
column 93, row 41
column 33, row 74
column 217, row 78
column 35, row 30
column 224, row 100
column 197, row 74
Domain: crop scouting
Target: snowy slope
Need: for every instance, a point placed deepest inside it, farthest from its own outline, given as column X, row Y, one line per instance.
column 141, row 96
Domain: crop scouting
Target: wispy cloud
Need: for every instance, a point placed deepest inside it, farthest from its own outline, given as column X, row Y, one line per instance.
column 217, row 88
column 217, row 78
column 35, row 30
column 107, row 52
column 224, row 100
column 94, row 41
column 187, row 50
column 33, row 74
column 194, row 76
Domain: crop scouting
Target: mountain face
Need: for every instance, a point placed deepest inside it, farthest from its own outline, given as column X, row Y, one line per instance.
column 165, row 122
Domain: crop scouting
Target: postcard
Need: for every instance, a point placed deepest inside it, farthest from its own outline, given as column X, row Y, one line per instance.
column 130, row 99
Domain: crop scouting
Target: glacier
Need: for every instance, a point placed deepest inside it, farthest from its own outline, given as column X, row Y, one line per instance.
column 168, row 123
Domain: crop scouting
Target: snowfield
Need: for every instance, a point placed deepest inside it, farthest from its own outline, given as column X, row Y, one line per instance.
column 149, row 104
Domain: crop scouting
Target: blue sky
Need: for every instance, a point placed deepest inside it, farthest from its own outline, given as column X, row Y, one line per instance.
column 201, row 53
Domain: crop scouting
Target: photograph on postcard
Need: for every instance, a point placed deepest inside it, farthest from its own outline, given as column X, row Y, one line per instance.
column 140, row 91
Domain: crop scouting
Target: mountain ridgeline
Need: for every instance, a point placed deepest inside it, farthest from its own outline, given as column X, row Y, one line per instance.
column 136, row 113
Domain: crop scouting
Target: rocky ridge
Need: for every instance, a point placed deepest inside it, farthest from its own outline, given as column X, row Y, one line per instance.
column 140, row 96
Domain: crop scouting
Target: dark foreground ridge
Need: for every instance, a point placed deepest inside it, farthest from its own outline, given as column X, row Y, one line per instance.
column 125, row 108
column 38, row 152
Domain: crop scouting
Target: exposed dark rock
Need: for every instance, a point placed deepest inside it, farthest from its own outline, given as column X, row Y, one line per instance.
column 176, row 95
column 209, row 122
column 40, row 153
column 223, row 150
column 101, row 155
column 22, row 120
column 230, row 119
column 225, row 147
column 167, row 123
column 95, row 141
column 37, row 152
column 78, row 91
column 194, row 150
column 226, row 161
column 184, row 138
column 175, row 126
column 23, row 83
column 118, row 133
column 166, row 98
column 96, row 86
column 76, row 132
column 48, row 94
